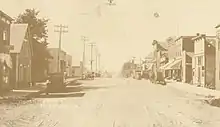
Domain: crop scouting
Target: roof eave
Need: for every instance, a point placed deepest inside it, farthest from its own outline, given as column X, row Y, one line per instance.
column 184, row 37
column 217, row 26
column 7, row 16
column 197, row 37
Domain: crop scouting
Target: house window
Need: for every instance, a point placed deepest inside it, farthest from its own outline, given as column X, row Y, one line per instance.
column 4, row 36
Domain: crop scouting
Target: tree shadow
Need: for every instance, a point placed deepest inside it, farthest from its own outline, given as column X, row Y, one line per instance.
column 72, row 90
column 213, row 102
column 61, row 95
column 74, row 83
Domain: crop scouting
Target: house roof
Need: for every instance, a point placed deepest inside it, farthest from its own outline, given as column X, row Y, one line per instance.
column 163, row 45
column 184, row 37
column 56, row 49
column 217, row 26
column 17, row 36
column 6, row 16
column 203, row 35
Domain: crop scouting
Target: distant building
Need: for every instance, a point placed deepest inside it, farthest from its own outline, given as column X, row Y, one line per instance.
column 160, row 56
column 69, row 65
column 55, row 65
column 77, row 71
column 21, row 54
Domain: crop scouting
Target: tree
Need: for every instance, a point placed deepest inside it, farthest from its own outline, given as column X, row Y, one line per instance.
column 39, row 34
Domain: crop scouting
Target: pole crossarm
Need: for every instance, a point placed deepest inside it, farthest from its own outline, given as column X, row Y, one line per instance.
column 92, row 44
column 60, row 31
column 84, row 39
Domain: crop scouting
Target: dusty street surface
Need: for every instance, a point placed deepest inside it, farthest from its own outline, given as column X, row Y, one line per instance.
column 114, row 103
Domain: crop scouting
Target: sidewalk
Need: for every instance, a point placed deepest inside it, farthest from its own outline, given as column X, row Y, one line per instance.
column 22, row 93
column 194, row 89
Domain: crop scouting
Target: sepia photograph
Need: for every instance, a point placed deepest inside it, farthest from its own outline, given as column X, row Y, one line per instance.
column 109, row 63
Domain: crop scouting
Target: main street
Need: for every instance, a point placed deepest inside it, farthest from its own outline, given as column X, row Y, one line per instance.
column 114, row 102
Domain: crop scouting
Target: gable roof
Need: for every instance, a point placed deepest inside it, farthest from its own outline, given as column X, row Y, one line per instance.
column 17, row 36
column 163, row 45
column 184, row 37
column 6, row 16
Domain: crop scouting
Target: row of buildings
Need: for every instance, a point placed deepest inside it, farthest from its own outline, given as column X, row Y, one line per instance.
column 190, row 59
column 16, row 52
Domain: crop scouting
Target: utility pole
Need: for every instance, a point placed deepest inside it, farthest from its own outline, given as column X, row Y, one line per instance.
column 84, row 39
column 91, row 61
column 96, row 59
column 99, row 56
column 61, row 30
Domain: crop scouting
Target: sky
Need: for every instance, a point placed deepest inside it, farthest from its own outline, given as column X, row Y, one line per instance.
column 122, row 31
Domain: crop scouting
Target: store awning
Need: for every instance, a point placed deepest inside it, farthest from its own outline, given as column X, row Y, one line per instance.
column 167, row 64
column 6, row 58
column 150, row 66
column 174, row 65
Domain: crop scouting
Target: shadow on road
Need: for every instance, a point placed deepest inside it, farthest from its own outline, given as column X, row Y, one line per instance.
column 213, row 102
column 73, row 89
column 74, row 83
column 60, row 95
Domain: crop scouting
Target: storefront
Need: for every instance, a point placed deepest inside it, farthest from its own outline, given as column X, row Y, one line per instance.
column 174, row 69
